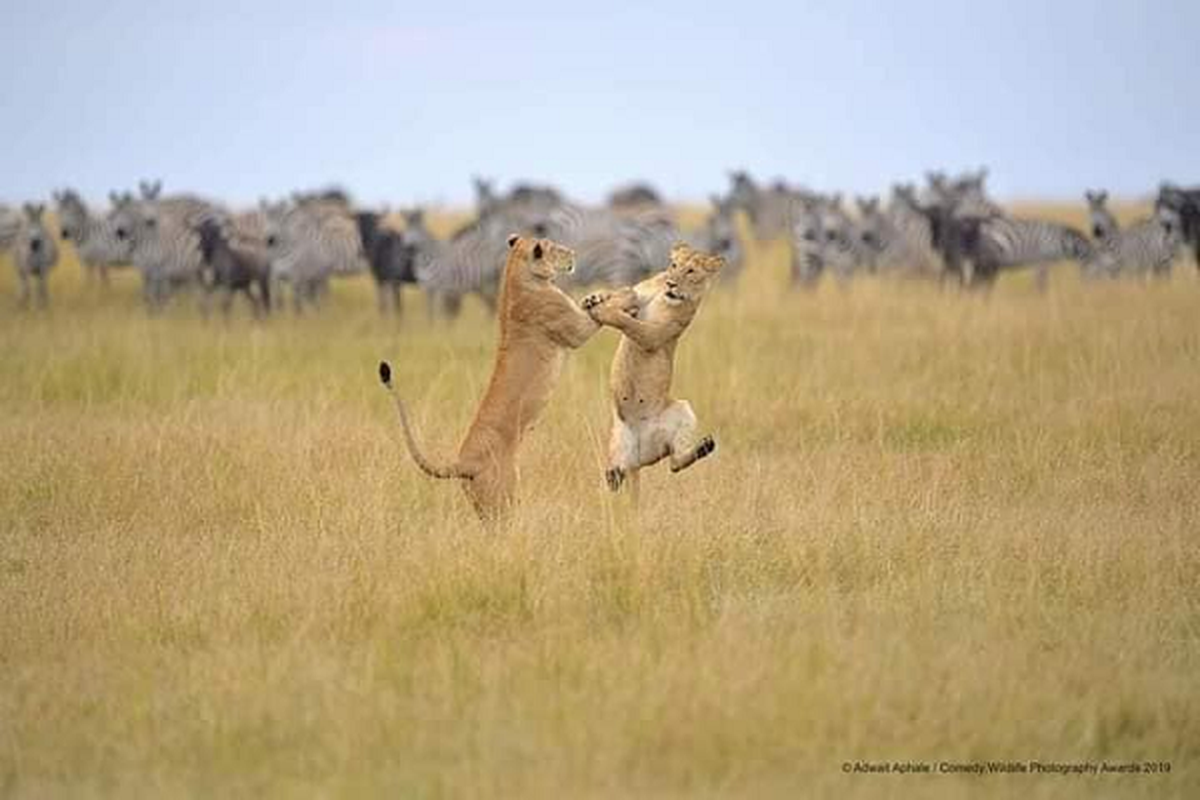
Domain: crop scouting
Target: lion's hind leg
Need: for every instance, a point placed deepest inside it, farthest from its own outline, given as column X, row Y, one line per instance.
column 686, row 446
column 622, row 454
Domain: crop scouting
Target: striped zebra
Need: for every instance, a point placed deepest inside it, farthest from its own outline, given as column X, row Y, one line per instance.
column 1185, row 205
column 825, row 239
column 163, row 240
column 93, row 236
column 1102, row 221
column 719, row 235
column 1147, row 247
column 611, row 248
column 307, row 244
column 35, row 253
column 984, row 247
column 898, row 236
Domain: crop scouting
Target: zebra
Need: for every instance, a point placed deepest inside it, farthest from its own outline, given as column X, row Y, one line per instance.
column 898, row 237
column 977, row 249
column 825, row 238
column 613, row 249
column 1185, row 205
column 906, row 241
column 1103, row 223
column 164, row 244
column 719, row 235
column 307, row 244
column 392, row 260
column 94, row 237
column 768, row 210
column 36, row 253
column 1147, row 247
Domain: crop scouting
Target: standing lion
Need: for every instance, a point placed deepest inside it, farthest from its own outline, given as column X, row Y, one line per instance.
column 538, row 323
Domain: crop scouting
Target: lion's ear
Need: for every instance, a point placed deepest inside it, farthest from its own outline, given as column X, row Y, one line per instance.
column 513, row 239
column 537, row 252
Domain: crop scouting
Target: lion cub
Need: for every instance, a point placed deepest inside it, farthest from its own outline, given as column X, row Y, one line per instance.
column 648, row 425
column 538, row 323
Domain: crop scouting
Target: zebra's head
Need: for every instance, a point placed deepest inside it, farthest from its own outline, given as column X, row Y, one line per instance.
column 36, row 237
column 1103, row 223
column 72, row 214
column 275, row 216
column 1171, row 222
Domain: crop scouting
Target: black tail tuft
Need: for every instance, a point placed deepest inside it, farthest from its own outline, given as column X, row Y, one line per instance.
column 385, row 373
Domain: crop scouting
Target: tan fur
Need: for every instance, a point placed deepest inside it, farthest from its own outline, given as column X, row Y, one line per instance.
column 538, row 324
column 648, row 425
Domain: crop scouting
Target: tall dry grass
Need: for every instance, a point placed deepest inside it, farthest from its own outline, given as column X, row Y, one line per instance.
column 937, row 527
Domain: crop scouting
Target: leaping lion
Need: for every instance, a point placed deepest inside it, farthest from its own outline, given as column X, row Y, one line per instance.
column 648, row 425
column 538, row 323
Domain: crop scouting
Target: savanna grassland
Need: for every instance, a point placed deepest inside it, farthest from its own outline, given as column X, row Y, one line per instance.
column 937, row 527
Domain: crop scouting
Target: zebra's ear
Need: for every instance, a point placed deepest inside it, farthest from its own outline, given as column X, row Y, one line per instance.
column 537, row 252
column 513, row 239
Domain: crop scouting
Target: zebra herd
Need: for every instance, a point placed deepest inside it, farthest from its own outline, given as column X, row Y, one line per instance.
column 949, row 229
column 952, row 229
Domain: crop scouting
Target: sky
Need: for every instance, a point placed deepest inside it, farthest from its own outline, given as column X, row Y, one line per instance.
column 403, row 103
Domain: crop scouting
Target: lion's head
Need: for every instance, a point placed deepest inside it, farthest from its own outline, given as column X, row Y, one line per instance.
column 540, row 258
column 690, row 274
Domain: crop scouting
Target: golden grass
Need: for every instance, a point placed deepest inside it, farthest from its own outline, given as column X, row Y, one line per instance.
column 937, row 527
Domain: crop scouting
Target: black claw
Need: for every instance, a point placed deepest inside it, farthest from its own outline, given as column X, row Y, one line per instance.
column 615, row 477
column 707, row 446
column 385, row 373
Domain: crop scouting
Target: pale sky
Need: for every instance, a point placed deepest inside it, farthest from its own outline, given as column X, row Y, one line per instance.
column 404, row 104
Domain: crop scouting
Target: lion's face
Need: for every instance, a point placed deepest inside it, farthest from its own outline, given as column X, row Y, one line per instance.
column 546, row 259
column 690, row 273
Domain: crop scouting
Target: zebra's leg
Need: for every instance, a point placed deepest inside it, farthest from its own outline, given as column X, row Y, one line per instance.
column 227, row 301
column 43, row 291
column 396, row 291
column 1041, row 277
column 264, row 294
column 23, row 296
column 381, row 298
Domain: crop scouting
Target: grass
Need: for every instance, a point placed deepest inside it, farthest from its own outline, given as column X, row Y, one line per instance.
column 937, row 527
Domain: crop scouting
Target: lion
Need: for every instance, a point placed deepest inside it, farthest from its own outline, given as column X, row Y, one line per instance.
column 538, row 323
column 648, row 425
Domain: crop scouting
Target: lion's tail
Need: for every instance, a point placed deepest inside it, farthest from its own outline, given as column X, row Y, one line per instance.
column 427, row 466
